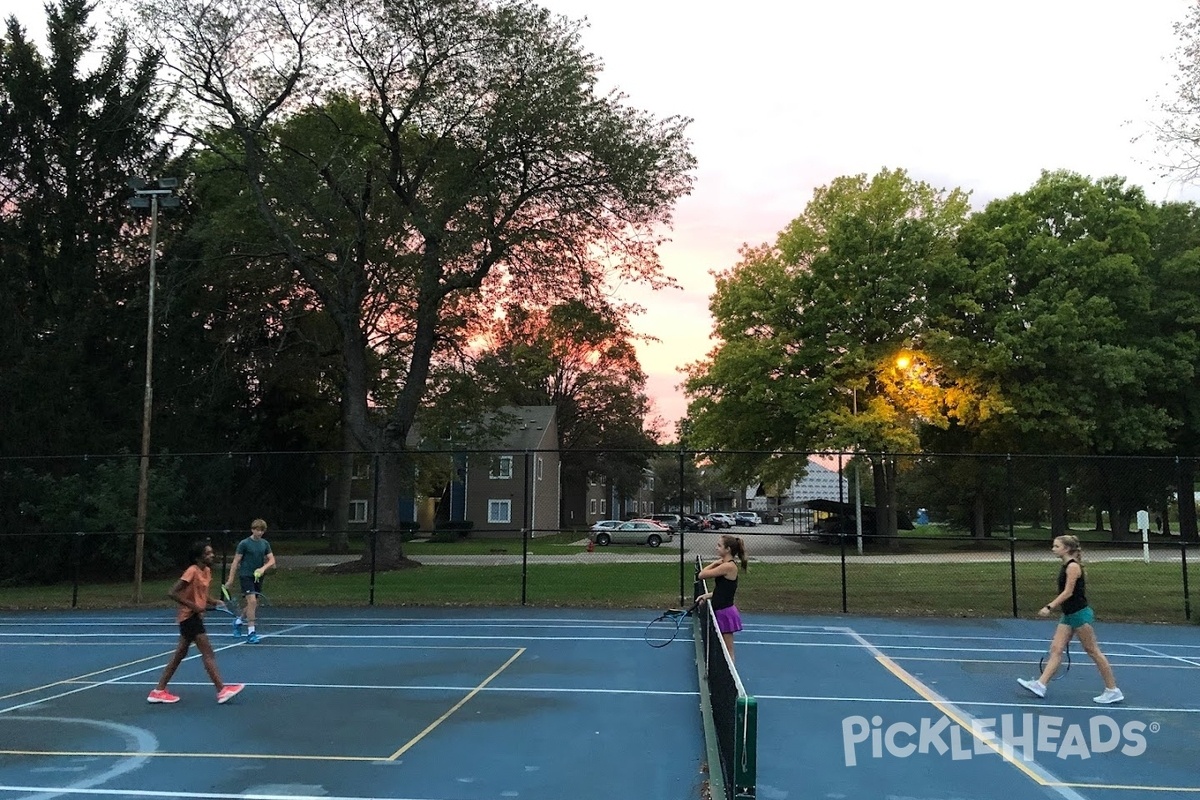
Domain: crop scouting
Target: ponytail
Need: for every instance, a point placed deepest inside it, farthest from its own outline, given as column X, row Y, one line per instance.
column 737, row 548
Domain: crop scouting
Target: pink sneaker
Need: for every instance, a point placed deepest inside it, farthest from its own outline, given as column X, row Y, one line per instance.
column 230, row 690
column 162, row 696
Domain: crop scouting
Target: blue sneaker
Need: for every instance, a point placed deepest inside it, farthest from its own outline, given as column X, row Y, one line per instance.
column 237, row 629
column 253, row 639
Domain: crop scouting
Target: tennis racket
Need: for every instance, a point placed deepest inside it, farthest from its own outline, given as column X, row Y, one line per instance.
column 663, row 629
column 228, row 604
column 1064, row 666
column 232, row 606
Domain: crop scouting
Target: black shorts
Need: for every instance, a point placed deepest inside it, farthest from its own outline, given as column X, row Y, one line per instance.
column 249, row 585
column 192, row 627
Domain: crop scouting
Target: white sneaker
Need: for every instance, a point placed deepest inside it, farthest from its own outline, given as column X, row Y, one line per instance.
column 1109, row 696
column 1039, row 688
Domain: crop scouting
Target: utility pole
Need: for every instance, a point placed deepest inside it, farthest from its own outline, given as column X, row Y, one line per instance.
column 148, row 195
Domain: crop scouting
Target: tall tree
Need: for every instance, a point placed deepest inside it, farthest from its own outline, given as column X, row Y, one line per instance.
column 810, row 328
column 491, row 157
column 583, row 362
column 75, row 124
column 1062, row 323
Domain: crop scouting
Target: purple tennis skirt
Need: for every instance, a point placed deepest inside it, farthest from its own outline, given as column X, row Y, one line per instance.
column 728, row 619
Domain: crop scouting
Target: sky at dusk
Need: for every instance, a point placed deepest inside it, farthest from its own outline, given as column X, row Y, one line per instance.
column 787, row 96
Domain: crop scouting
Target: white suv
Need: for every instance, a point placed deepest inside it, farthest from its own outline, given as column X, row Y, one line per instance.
column 747, row 518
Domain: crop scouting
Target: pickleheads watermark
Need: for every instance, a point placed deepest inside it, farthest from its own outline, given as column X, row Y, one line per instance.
column 1011, row 735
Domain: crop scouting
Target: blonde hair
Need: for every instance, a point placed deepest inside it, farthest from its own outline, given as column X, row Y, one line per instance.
column 1072, row 545
column 258, row 524
column 736, row 547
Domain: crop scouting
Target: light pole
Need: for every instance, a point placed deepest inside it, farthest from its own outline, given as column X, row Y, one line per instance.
column 149, row 195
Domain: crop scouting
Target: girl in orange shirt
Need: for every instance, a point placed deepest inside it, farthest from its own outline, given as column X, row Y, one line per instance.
column 191, row 593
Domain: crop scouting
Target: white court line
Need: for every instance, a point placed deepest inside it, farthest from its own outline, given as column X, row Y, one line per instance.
column 358, row 621
column 1164, row 655
column 129, row 793
column 434, row 688
column 969, row 723
column 980, row 703
column 1111, row 660
column 107, row 682
column 142, row 740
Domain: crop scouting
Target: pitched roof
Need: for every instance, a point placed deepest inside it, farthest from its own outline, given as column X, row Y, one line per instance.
column 513, row 428
column 531, row 429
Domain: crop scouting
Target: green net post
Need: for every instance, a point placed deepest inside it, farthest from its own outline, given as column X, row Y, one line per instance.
column 745, row 753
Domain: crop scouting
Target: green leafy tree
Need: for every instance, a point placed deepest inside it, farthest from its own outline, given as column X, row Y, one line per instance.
column 810, row 328
column 1063, row 294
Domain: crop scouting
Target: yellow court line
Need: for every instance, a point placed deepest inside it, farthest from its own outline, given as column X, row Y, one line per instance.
column 940, row 705
column 128, row 754
column 456, row 707
column 933, row 699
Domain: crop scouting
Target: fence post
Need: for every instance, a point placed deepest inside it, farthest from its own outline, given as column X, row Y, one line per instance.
column 374, row 524
column 77, row 550
column 1012, row 534
column 1182, row 477
column 843, row 534
column 229, row 520
column 1187, row 600
column 681, row 526
column 526, row 511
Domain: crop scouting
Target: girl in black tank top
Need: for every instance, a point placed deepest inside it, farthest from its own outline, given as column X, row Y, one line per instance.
column 724, row 574
column 1076, row 620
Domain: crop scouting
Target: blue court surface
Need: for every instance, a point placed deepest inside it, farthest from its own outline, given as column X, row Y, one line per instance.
column 557, row 704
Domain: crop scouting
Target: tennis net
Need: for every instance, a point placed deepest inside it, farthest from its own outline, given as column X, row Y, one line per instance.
column 730, row 713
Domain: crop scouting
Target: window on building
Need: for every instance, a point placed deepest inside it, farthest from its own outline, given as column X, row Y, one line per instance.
column 358, row 511
column 592, row 507
column 603, row 507
column 499, row 510
column 502, row 468
column 538, row 470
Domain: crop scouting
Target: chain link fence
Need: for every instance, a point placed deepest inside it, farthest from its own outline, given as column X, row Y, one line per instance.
column 877, row 534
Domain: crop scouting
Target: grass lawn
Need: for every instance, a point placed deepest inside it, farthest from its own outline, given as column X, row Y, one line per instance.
column 1131, row 591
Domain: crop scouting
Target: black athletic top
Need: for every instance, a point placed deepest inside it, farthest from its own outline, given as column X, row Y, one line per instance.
column 723, row 592
column 1078, row 600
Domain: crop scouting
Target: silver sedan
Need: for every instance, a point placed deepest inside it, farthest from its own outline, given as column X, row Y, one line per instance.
column 636, row 531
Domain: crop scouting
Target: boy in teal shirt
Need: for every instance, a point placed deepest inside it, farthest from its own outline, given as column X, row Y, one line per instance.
column 250, row 563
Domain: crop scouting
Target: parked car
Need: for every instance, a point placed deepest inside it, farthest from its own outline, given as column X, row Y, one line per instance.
column 748, row 518
column 672, row 521
column 606, row 524
column 693, row 522
column 636, row 531
column 719, row 520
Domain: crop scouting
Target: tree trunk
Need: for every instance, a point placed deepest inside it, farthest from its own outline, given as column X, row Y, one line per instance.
column 1120, row 518
column 1058, row 503
column 1186, row 491
column 883, row 474
column 396, row 484
column 343, row 493
column 979, row 524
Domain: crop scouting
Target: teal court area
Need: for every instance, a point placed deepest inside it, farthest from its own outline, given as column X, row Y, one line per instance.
column 545, row 704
